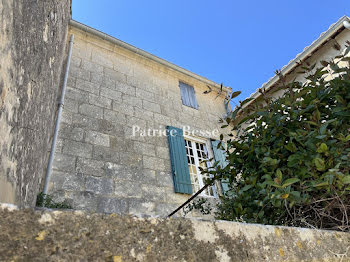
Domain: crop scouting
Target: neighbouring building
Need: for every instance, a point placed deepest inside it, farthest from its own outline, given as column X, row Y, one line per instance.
column 330, row 44
column 33, row 50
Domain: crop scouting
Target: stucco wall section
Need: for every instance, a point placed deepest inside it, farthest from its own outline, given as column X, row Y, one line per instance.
column 28, row 235
column 32, row 44
column 99, row 165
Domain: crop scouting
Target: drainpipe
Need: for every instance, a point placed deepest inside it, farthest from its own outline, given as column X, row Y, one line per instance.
column 59, row 113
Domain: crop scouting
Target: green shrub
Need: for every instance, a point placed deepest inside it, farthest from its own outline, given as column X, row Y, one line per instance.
column 289, row 162
column 199, row 204
column 44, row 200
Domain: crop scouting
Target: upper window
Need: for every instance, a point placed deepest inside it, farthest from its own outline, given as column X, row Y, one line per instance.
column 188, row 95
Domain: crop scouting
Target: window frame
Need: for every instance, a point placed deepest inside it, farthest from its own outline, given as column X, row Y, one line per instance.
column 195, row 106
column 209, row 164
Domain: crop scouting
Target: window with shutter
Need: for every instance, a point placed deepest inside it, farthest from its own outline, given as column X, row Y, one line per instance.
column 220, row 155
column 188, row 95
column 188, row 154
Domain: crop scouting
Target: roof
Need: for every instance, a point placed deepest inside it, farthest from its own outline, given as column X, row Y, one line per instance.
column 305, row 54
column 145, row 54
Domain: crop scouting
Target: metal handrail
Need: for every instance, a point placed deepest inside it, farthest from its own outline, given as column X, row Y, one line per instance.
column 189, row 200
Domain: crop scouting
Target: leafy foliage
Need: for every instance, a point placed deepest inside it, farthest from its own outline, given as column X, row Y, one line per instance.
column 289, row 158
column 199, row 204
column 44, row 200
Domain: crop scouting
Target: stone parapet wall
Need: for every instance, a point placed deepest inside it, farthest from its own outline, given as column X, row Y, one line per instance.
column 28, row 235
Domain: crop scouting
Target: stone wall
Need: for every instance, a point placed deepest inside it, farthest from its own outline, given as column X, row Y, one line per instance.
column 99, row 166
column 32, row 51
column 28, row 235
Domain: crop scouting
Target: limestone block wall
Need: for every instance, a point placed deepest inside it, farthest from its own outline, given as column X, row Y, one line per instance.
column 28, row 235
column 32, row 52
column 99, row 166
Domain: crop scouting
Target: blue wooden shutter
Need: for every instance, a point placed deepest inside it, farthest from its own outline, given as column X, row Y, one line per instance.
column 188, row 96
column 220, row 155
column 179, row 165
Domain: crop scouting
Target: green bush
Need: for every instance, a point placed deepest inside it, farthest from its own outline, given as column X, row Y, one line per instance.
column 289, row 161
column 44, row 200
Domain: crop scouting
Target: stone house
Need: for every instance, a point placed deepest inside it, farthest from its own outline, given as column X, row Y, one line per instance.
column 114, row 153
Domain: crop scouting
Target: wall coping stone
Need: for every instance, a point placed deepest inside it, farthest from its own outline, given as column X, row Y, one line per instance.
column 57, row 235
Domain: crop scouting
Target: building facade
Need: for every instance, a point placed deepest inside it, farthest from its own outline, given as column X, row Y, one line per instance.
column 114, row 153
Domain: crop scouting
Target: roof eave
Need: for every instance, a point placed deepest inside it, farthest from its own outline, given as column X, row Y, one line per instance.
column 308, row 51
column 145, row 54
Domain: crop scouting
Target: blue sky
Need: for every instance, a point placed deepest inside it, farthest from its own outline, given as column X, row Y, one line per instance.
column 239, row 43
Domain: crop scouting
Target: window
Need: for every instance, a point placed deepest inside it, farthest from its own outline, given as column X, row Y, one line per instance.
column 188, row 95
column 197, row 154
column 187, row 155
